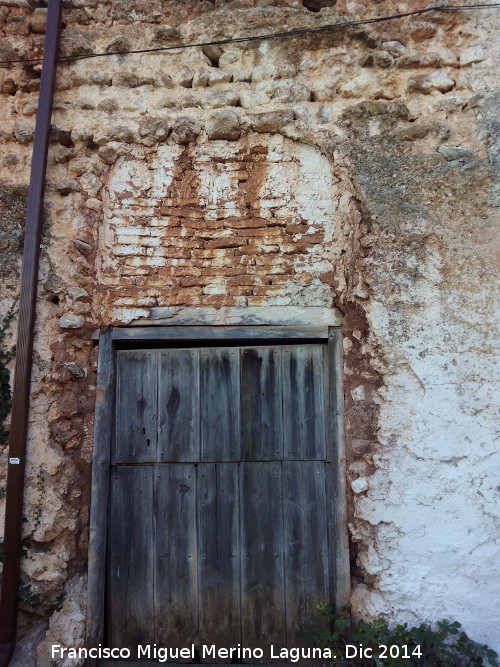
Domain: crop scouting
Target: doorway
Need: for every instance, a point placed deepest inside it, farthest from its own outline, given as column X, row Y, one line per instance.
column 222, row 526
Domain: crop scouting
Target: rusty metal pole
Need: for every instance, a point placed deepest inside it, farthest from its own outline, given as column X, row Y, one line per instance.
column 24, row 347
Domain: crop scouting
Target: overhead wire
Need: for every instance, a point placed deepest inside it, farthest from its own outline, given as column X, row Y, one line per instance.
column 262, row 37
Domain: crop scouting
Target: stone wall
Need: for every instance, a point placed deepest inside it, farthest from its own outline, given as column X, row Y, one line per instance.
column 351, row 168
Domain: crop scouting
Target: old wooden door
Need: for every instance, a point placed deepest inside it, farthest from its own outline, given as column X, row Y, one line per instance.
column 220, row 513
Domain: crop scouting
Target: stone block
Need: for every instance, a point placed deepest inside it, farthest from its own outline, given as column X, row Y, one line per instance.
column 452, row 153
column 289, row 90
column 185, row 130
column 108, row 105
column 167, row 36
column 24, row 131
column 38, row 20
column 218, row 76
column 200, row 78
column 120, row 133
column 221, row 98
column 223, row 125
column 100, row 78
column 394, row 47
column 132, row 80
column 17, row 26
column 262, row 73
column 108, row 154
column 184, row 77
column 70, row 321
column 254, row 98
column 153, row 130
column 119, row 45
column 271, row 121
column 65, row 187
column 163, row 80
column 472, row 54
column 240, row 75
column 428, row 83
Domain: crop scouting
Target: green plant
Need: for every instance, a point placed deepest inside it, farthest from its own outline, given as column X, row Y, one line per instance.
column 40, row 485
column 56, row 605
column 368, row 644
column 5, row 393
column 26, row 595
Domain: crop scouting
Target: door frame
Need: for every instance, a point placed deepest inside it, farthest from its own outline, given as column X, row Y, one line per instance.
column 109, row 338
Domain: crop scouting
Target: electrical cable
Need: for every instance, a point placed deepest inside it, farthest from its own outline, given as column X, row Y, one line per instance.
column 277, row 35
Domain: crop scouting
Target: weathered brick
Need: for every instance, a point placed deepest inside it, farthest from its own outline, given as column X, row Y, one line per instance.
column 261, row 232
column 267, row 290
column 135, row 301
column 249, row 223
column 258, row 249
column 240, row 291
column 202, row 224
column 173, row 252
column 151, row 262
column 295, row 229
column 226, row 242
column 313, row 238
column 181, row 212
column 192, row 282
column 133, row 231
column 156, row 281
column 223, row 271
column 126, row 250
column 243, row 280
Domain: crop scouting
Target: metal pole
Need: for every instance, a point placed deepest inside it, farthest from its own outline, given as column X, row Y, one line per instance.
column 24, row 347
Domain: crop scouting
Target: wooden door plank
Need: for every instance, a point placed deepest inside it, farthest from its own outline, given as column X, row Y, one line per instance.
column 176, row 566
column 98, row 523
column 130, row 571
column 337, row 479
column 306, row 549
column 304, row 402
column 178, row 406
column 261, row 404
column 262, row 585
column 136, row 406
column 220, row 404
column 219, row 554
column 173, row 333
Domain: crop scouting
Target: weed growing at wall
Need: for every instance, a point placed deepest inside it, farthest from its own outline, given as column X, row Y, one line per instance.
column 5, row 393
column 445, row 646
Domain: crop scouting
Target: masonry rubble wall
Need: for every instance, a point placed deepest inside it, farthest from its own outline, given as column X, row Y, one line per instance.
column 351, row 168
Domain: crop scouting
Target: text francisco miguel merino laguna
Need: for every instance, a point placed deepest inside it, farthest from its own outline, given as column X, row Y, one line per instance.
column 166, row 654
